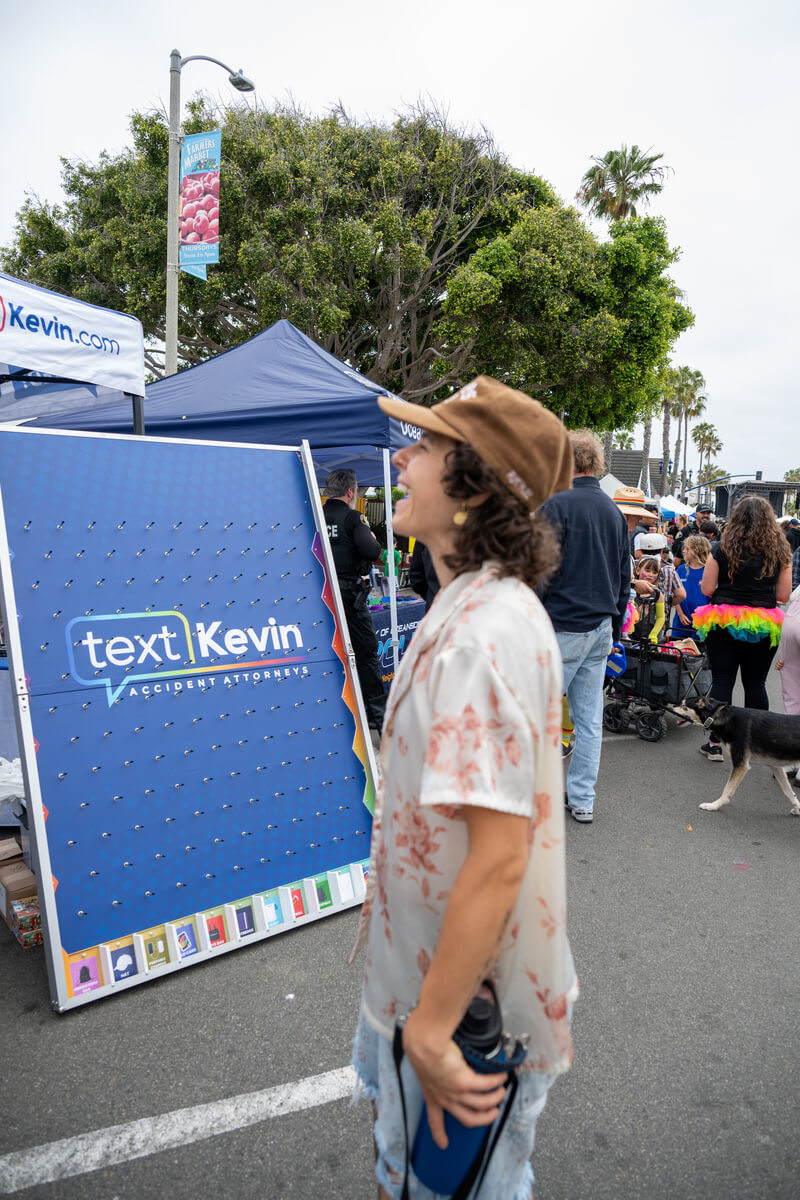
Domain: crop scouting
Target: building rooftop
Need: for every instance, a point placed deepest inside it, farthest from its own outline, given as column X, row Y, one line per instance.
column 626, row 465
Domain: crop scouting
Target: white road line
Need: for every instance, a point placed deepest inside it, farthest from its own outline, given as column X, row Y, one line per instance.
column 137, row 1139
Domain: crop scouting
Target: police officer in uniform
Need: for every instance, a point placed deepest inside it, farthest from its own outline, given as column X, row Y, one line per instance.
column 355, row 548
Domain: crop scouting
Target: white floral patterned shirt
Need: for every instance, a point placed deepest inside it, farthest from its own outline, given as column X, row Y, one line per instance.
column 474, row 717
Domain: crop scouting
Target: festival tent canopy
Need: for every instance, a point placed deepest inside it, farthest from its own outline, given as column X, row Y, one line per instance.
column 671, row 506
column 59, row 354
column 609, row 484
column 278, row 388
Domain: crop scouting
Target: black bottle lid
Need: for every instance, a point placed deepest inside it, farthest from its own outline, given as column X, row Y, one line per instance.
column 481, row 1025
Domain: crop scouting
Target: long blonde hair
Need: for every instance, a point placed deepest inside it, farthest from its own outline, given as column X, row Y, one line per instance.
column 698, row 546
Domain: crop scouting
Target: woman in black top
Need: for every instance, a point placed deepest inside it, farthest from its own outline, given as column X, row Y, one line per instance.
column 746, row 576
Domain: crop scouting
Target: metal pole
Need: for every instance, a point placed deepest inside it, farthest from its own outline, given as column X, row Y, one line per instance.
column 387, row 500
column 173, row 179
column 138, row 415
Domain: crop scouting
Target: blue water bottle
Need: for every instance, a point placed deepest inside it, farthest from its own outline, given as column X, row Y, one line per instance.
column 480, row 1039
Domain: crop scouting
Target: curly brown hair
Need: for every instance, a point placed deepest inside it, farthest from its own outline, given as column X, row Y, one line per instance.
column 753, row 530
column 501, row 529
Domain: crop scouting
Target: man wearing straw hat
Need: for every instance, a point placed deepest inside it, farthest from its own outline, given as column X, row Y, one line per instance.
column 638, row 512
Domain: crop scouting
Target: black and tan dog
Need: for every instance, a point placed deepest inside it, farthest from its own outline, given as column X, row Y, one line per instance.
column 749, row 735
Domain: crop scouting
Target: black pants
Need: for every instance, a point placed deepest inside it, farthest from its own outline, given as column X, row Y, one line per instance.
column 728, row 655
column 365, row 647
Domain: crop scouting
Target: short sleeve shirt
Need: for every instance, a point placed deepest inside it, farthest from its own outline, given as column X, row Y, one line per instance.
column 473, row 718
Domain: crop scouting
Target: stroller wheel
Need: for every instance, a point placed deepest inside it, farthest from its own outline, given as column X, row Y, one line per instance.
column 651, row 726
column 613, row 717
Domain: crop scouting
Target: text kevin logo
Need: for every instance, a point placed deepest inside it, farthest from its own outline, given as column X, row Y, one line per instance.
column 113, row 650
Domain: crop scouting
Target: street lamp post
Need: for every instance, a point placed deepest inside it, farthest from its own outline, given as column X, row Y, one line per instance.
column 242, row 84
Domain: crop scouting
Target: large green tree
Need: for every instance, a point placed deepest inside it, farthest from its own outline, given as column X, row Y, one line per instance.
column 414, row 251
column 584, row 324
column 619, row 180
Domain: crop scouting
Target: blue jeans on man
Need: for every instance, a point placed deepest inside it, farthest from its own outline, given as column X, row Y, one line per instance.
column 584, row 657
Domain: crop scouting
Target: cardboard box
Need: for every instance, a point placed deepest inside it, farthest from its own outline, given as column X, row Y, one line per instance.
column 9, row 849
column 17, row 882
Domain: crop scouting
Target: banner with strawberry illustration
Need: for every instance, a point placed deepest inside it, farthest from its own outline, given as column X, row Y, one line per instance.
column 199, row 201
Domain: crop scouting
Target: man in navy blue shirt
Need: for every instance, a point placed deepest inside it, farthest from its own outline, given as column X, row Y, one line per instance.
column 586, row 602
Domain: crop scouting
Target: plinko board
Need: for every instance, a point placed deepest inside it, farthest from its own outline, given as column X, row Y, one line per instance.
column 196, row 766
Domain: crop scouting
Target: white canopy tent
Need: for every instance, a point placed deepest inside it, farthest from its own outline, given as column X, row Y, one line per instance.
column 609, row 483
column 671, row 506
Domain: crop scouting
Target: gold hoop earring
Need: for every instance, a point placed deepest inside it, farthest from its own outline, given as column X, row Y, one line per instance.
column 460, row 518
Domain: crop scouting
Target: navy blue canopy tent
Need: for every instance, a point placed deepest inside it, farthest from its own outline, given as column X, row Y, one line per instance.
column 278, row 388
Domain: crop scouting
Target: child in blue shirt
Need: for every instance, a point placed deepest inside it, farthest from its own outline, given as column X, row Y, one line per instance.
column 696, row 550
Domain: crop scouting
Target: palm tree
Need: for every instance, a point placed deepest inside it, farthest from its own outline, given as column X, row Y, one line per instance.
column 612, row 187
column 692, row 409
column 709, row 476
column 623, row 439
column 688, row 403
column 650, row 409
column 707, row 442
column 608, row 445
column 671, row 378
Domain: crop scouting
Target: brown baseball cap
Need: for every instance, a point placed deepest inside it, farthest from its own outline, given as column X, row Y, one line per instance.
column 521, row 440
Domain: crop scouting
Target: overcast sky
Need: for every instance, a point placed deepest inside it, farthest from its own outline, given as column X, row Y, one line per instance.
column 709, row 83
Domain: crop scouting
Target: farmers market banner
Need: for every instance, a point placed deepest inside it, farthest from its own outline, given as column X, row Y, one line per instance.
column 199, row 207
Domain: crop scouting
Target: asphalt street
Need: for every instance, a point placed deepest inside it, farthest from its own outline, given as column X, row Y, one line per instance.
column 685, row 1082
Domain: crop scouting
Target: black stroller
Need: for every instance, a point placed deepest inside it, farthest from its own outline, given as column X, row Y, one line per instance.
column 655, row 677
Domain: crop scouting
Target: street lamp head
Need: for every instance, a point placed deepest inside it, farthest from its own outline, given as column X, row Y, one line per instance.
column 241, row 82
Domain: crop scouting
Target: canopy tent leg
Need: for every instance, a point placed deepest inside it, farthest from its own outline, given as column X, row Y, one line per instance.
column 138, row 415
column 387, row 500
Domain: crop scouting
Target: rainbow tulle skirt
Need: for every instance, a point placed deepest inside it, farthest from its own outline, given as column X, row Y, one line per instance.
column 740, row 621
column 630, row 619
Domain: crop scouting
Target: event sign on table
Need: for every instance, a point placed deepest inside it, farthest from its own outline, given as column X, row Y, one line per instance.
column 199, row 201
column 194, row 749
column 409, row 615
